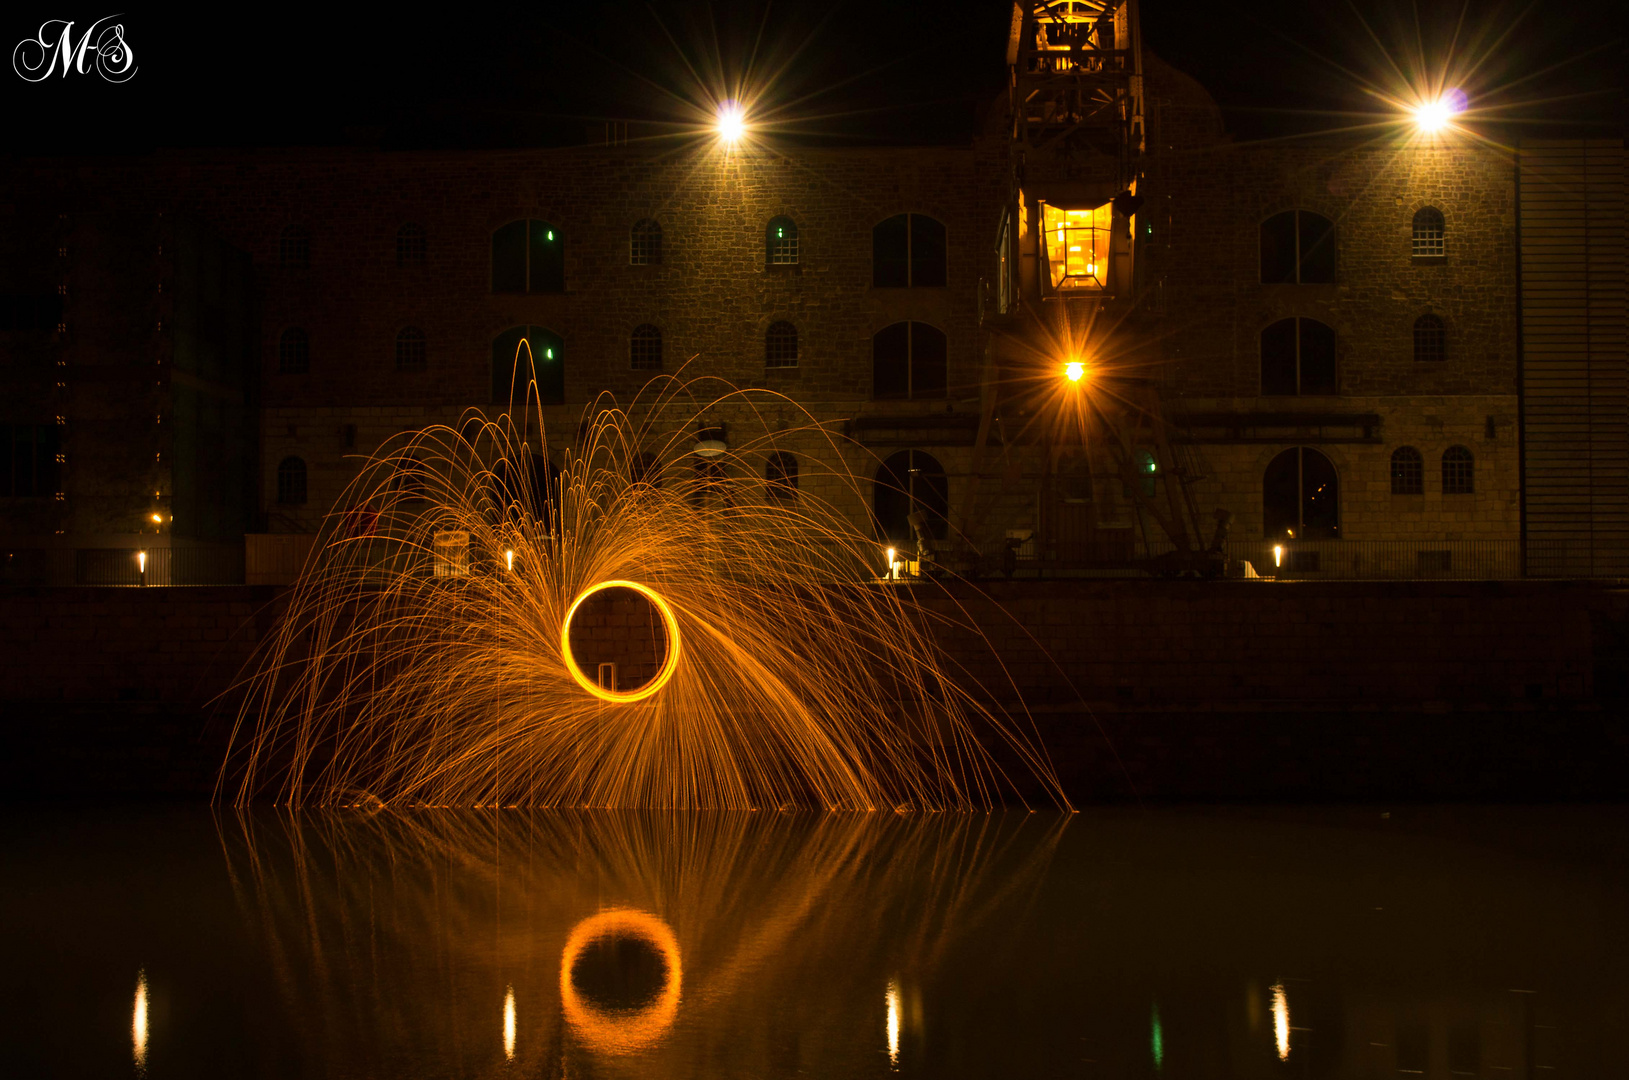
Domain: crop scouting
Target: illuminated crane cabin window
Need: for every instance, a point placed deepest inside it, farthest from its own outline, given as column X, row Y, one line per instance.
column 1077, row 246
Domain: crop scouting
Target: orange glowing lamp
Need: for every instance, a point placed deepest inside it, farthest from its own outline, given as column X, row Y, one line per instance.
column 1074, row 371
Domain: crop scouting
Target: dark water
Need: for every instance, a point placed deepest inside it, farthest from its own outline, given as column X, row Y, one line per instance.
column 1442, row 942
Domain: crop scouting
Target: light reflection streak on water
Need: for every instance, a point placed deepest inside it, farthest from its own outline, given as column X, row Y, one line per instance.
column 138, row 1022
column 509, row 1024
column 893, row 1024
column 1281, row 1021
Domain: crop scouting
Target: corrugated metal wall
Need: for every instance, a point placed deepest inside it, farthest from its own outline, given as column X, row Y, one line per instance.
column 1575, row 381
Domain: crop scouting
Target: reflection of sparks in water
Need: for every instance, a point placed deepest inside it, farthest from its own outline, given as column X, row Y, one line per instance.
column 767, row 907
column 621, row 1031
column 893, row 1024
column 509, row 1024
column 420, row 662
column 1281, row 1021
column 138, row 1022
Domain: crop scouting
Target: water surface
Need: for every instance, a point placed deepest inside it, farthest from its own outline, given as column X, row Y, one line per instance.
column 1443, row 942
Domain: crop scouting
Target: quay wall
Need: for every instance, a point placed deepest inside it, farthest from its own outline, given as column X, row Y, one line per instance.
column 1213, row 690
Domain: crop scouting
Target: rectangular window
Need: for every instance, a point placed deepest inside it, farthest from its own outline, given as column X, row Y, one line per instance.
column 1077, row 246
column 1004, row 287
column 28, row 461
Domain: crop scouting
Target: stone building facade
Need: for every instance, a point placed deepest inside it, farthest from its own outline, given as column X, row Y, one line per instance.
column 379, row 307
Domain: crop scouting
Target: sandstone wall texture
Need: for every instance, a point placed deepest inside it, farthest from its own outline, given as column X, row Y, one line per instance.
column 1200, row 312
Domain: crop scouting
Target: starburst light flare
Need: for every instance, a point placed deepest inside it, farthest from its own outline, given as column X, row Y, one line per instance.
column 439, row 647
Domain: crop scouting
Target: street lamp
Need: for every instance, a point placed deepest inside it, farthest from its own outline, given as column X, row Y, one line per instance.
column 1074, row 371
column 731, row 124
column 1434, row 114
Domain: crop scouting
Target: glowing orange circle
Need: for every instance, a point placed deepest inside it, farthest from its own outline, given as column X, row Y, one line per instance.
column 669, row 663
column 621, row 1032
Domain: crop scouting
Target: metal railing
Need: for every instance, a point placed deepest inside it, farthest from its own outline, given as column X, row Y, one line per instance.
column 1331, row 560
column 133, row 567
column 277, row 559
column 1382, row 560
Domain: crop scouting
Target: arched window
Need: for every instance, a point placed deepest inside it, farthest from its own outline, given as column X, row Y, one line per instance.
column 1430, row 240
column 1147, row 469
column 410, row 349
column 781, row 242
column 1298, row 357
column 908, row 360
column 645, row 243
column 528, row 257
column 291, row 482
column 909, row 482
column 294, row 248
column 1407, row 471
column 1300, row 494
column 514, row 367
column 294, row 352
column 781, row 345
column 645, row 348
column 1430, row 339
column 908, row 250
column 1297, row 248
column 410, row 245
column 1458, row 471
column 781, row 476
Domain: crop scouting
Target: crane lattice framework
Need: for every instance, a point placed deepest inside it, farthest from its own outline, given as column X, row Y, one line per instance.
column 1077, row 82
column 1067, row 244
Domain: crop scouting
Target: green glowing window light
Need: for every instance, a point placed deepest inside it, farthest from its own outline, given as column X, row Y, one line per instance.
column 551, row 234
column 548, row 354
column 780, row 232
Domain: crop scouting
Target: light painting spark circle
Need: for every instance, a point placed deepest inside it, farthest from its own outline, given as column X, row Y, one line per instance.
column 669, row 662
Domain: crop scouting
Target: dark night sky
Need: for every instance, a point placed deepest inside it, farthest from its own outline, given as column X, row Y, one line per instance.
column 853, row 71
